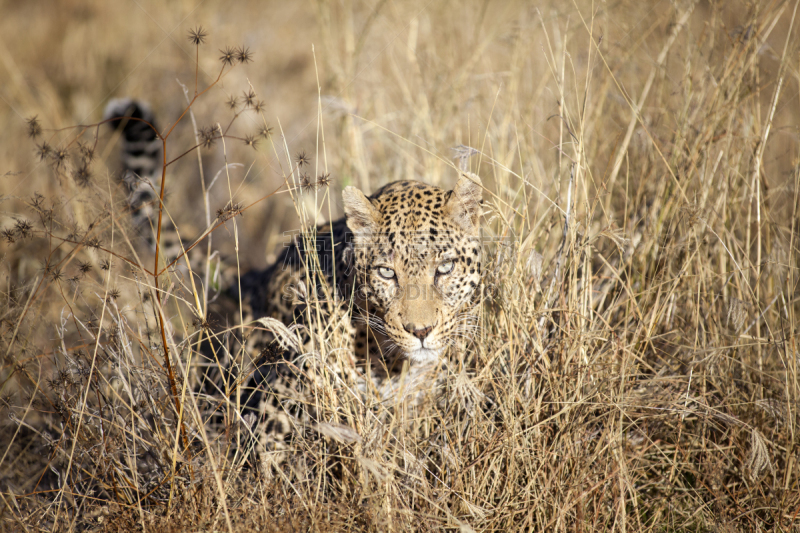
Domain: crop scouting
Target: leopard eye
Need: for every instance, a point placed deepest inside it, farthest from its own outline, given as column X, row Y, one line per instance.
column 386, row 273
column 445, row 268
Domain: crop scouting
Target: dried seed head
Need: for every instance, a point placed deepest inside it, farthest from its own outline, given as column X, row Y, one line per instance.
column 462, row 154
column 85, row 267
column 323, row 180
column 249, row 98
column 56, row 274
column 43, row 151
column 229, row 211
column 306, row 184
column 58, row 157
column 82, row 175
column 197, row 36
column 302, row 159
column 228, row 56
column 232, row 102
column 8, row 235
column 251, row 141
column 23, row 228
column 87, row 152
column 244, row 55
column 113, row 294
column 208, row 136
column 265, row 132
column 37, row 201
column 259, row 106
column 106, row 264
column 34, row 128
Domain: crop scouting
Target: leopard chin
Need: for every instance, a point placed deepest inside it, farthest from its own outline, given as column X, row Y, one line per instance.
column 424, row 356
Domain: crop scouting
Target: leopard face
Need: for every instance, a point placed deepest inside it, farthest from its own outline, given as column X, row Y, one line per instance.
column 417, row 258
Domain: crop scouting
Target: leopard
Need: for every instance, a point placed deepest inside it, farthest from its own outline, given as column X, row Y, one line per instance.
column 400, row 272
column 402, row 268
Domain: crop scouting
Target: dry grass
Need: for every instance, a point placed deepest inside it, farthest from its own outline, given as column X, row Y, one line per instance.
column 638, row 350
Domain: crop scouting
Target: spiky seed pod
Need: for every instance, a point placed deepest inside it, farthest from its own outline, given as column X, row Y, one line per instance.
column 197, row 35
column 249, row 98
column 228, row 56
column 302, row 159
column 82, row 175
column 34, row 128
column 251, row 141
column 306, row 184
column 244, row 55
column 43, row 151
column 23, row 228
column 58, row 158
column 323, row 180
column 265, row 132
column 208, row 136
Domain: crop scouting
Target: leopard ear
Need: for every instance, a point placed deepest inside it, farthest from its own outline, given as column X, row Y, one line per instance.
column 464, row 203
column 362, row 217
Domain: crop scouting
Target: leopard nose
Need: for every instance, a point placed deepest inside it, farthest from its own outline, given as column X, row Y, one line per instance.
column 418, row 332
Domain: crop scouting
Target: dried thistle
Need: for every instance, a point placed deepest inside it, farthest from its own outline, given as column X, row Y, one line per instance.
column 84, row 267
column 232, row 102
column 34, row 128
column 197, row 35
column 302, row 159
column 94, row 242
column 106, row 264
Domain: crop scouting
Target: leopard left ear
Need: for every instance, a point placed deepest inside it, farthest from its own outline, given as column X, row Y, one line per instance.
column 361, row 215
column 464, row 203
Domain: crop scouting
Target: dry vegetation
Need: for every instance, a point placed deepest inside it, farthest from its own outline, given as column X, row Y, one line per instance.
column 638, row 349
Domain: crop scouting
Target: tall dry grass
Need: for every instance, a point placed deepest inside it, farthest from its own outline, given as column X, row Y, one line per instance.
column 636, row 362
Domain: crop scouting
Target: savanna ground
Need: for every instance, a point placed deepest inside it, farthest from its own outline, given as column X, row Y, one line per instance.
column 638, row 338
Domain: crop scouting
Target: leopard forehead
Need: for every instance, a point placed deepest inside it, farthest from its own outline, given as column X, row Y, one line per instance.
column 414, row 227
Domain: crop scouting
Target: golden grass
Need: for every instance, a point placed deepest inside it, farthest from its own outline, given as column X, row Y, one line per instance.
column 644, row 378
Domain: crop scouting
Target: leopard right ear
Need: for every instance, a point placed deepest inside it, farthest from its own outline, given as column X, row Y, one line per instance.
column 362, row 217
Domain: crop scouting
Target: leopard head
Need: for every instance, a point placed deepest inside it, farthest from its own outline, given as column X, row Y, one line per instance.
column 417, row 258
